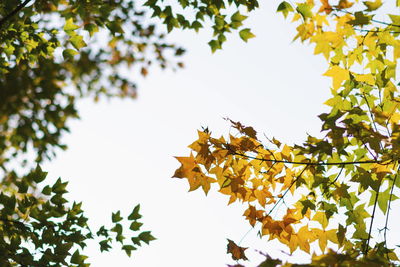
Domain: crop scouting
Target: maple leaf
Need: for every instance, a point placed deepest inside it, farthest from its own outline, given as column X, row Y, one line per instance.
column 249, row 131
column 344, row 4
column 338, row 75
column 186, row 169
column 360, row 19
column 236, row 251
column 326, row 7
column 373, row 5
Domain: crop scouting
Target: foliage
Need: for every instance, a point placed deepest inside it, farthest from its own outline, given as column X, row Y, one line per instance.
column 53, row 53
column 40, row 228
column 338, row 181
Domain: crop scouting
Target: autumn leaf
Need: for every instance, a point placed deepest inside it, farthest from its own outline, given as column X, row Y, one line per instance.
column 236, row 251
column 338, row 75
column 345, row 4
column 373, row 5
column 325, row 7
column 186, row 168
column 360, row 19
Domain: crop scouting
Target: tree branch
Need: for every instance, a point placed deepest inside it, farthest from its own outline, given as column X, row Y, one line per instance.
column 287, row 190
column 373, row 20
column 372, row 221
column 380, row 162
column 372, row 117
column 334, row 181
column 388, row 211
column 13, row 13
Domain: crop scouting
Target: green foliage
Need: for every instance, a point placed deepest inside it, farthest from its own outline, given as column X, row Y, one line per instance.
column 45, row 230
column 54, row 52
column 224, row 16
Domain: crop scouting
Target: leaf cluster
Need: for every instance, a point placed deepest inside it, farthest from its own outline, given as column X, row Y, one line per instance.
column 55, row 52
column 337, row 181
column 42, row 228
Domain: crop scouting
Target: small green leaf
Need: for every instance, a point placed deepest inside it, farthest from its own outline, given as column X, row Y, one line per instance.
column 285, row 8
column 39, row 175
column 246, row 34
column 91, row 28
column 69, row 53
column 135, row 214
column 304, row 10
column 46, row 190
column 77, row 258
column 136, row 241
column 70, row 26
column 104, row 245
column 196, row 25
column 77, row 41
column 238, row 17
column 118, row 229
column 146, row 237
column 116, row 217
column 214, row 45
column 135, row 226
column 128, row 249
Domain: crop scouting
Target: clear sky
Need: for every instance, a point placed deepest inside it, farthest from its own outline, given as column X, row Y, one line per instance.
column 121, row 152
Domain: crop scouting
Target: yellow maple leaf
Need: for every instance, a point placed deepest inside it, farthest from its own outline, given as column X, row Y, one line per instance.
column 373, row 5
column 321, row 218
column 344, row 4
column 338, row 75
column 186, row 169
column 367, row 78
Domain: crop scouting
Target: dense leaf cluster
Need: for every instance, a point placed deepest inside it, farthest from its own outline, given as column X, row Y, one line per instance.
column 338, row 181
column 54, row 52
column 41, row 227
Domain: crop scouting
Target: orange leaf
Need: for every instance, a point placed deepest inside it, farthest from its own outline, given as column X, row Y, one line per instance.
column 236, row 251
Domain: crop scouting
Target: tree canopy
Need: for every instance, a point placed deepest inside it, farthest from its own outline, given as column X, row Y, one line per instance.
column 55, row 52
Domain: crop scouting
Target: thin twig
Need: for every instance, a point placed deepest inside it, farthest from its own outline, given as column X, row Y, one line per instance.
column 365, row 30
column 287, row 190
column 267, row 171
column 388, row 211
column 369, row 150
column 380, row 162
column 372, row 221
column 13, row 13
column 336, row 178
column 372, row 118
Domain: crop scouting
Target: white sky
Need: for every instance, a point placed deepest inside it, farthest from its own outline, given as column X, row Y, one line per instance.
column 121, row 152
